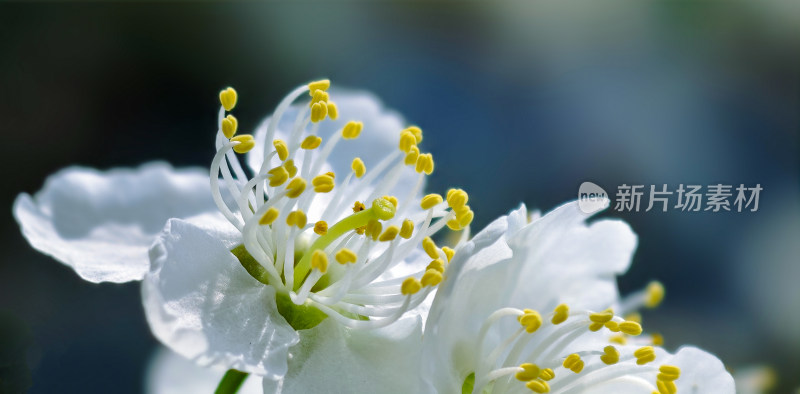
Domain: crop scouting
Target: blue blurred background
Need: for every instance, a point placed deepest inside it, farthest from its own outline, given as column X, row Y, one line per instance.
column 520, row 102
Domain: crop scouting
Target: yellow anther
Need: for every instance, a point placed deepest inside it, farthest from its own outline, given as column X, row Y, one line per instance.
column 297, row 218
column 269, row 216
column 654, row 294
column 611, row 355
column 321, row 227
column 448, row 252
column 465, row 219
column 290, row 167
column 424, row 164
column 333, row 110
column 277, row 176
column 560, row 314
column 630, row 328
column 431, row 278
column 644, row 355
column 358, row 167
column 538, row 386
column 452, row 224
column 417, row 133
column 344, row 256
column 594, row 327
column 407, row 229
column 574, row 363
column 374, row 228
column 319, row 96
column 531, row 320
column 352, row 130
column 331, row 174
column 612, row 326
column 229, row 126
column 437, row 265
column 322, row 84
column 669, row 372
column 457, row 198
column 619, row 339
column 411, row 156
column 634, row 317
column 319, row 260
column 318, row 112
column 430, row 247
column 389, row 234
column 322, row 183
column 227, row 98
column 281, row 148
column 392, row 199
column 430, row 201
column 407, row 140
column 657, row 339
column 246, row 142
column 529, row 372
column 547, row 374
column 358, row 206
column 295, row 188
column 602, row 317
column 311, row 142
column 666, row 387
column 410, row 286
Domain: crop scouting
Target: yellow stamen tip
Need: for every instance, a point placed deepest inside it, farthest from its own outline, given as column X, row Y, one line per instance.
column 529, row 372
column 281, row 148
column 318, row 112
column 654, row 294
column 430, row 201
column 407, row 229
column 246, row 142
column 333, row 110
column 430, row 247
column 547, row 374
column 290, row 168
column 448, row 252
column 297, row 218
column 560, row 314
column 269, row 216
column 437, row 265
column 407, row 140
column 373, row 229
column 229, row 126
column 410, row 286
column 323, row 183
column 389, row 234
column 296, row 187
column 611, row 355
column 277, row 176
column 411, row 156
column 227, row 98
column 321, row 227
column 424, row 164
column 319, row 260
column 352, row 130
column 457, row 198
column 322, row 84
column 538, row 386
column 417, row 133
column 311, row 142
column 358, row 167
column 630, row 328
column 431, row 277
column 344, row 256
column 531, row 320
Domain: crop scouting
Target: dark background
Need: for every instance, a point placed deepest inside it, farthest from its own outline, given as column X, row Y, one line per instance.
column 520, row 102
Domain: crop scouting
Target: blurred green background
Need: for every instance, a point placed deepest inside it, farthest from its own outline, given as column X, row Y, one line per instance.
column 520, row 102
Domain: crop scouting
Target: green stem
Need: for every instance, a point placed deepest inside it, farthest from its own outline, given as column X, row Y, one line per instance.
column 231, row 382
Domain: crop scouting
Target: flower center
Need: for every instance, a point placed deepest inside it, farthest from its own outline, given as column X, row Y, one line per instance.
column 350, row 269
column 554, row 354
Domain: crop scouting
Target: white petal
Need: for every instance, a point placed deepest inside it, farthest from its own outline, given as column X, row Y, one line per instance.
column 169, row 373
column 468, row 295
column 701, row 372
column 200, row 302
column 102, row 223
column 334, row 359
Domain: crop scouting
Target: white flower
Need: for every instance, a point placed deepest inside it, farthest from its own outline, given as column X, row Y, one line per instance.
column 322, row 244
column 101, row 224
column 485, row 331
